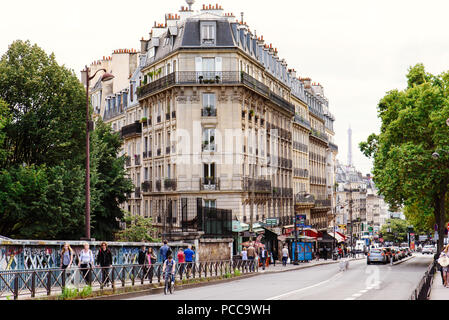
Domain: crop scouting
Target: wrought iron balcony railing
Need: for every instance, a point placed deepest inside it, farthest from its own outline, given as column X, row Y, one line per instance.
column 170, row 184
column 209, row 112
column 257, row 185
column 147, row 186
column 209, row 183
column 131, row 130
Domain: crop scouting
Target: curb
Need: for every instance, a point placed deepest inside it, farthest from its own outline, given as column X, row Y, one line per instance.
column 153, row 291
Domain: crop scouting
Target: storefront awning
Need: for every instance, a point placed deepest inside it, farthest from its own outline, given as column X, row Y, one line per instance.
column 337, row 237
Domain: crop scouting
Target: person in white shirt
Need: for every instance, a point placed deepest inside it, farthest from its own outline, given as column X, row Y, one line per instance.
column 86, row 261
column 284, row 256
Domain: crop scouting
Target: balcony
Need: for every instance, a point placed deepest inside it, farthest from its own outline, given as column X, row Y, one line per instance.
column 212, row 78
column 167, row 116
column 167, row 150
column 286, row 192
column 209, row 112
column 137, row 160
column 173, row 114
column 208, row 147
column 301, row 121
column 145, row 154
column 320, row 135
column 303, row 173
column 158, row 119
column 131, row 130
column 257, row 185
column 147, row 186
column 159, row 152
column 170, row 185
column 128, row 162
column 333, row 147
column 300, row 146
column 301, row 198
column 209, row 184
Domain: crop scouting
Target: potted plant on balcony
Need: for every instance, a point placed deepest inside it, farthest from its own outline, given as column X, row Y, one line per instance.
column 159, row 71
column 151, row 74
column 144, row 120
column 217, row 79
column 208, row 109
column 200, row 78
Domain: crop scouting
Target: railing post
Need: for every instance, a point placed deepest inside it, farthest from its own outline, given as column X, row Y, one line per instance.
column 49, row 282
column 33, row 284
column 89, row 275
column 63, row 279
column 142, row 268
column 113, row 278
column 16, row 286
column 123, row 276
column 133, row 275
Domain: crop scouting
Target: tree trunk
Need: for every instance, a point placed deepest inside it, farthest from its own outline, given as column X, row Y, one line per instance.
column 440, row 219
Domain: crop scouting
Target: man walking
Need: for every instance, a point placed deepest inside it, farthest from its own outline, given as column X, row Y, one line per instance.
column 104, row 259
column 189, row 255
column 284, row 256
column 263, row 256
column 251, row 255
column 141, row 261
column 165, row 251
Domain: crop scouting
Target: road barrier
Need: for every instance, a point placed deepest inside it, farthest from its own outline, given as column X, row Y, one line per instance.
column 422, row 292
column 44, row 282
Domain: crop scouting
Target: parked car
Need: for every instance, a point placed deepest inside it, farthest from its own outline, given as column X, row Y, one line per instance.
column 395, row 254
column 377, row 255
column 408, row 251
column 428, row 249
column 388, row 253
column 400, row 252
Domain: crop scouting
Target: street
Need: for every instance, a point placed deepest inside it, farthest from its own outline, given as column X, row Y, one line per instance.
column 326, row 282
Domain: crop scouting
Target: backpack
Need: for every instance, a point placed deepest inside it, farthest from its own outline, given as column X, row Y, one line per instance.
column 169, row 252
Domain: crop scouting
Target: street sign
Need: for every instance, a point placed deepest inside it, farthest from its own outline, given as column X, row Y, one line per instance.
column 272, row 221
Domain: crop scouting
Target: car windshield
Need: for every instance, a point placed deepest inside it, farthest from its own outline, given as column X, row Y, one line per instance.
column 376, row 251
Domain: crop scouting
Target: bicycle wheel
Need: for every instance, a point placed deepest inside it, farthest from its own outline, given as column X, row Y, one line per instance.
column 166, row 287
column 172, row 287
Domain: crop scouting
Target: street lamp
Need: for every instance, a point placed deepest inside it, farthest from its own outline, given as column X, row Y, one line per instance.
column 86, row 78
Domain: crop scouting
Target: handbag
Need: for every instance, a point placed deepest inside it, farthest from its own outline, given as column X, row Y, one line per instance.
column 443, row 261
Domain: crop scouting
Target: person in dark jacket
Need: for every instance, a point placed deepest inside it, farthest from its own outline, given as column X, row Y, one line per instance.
column 104, row 259
column 141, row 257
column 165, row 251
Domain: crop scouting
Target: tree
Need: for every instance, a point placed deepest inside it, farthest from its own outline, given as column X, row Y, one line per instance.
column 109, row 182
column 422, row 219
column 47, row 106
column 398, row 230
column 138, row 229
column 413, row 128
column 4, row 121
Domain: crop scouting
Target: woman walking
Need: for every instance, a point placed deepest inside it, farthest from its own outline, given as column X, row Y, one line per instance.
column 104, row 259
column 151, row 260
column 444, row 263
column 181, row 261
column 86, row 261
column 66, row 256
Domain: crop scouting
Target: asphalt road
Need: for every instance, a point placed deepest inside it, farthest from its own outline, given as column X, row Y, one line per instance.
column 326, row 282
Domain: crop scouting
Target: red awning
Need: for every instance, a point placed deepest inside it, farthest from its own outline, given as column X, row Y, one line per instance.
column 341, row 235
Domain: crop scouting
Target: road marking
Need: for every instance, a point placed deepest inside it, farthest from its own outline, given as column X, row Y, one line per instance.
column 339, row 275
column 357, row 295
column 364, row 291
column 350, row 298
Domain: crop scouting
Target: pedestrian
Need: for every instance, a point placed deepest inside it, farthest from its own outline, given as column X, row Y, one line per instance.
column 86, row 262
column 66, row 256
column 284, row 256
column 443, row 261
column 340, row 252
column 141, row 260
column 272, row 259
column 189, row 256
column 165, row 251
column 244, row 255
column 104, row 259
column 263, row 256
column 251, row 255
column 151, row 260
column 181, row 261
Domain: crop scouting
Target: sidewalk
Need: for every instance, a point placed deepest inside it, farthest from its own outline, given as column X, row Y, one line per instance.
column 438, row 292
column 302, row 265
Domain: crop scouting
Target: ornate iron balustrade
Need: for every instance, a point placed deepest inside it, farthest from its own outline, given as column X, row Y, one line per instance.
column 45, row 282
column 302, row 198
column 167, row 116
column 320, row 135
column 158, row 185
column 303, row 173
column 170, row 184
column 147, row 186
column 159, row 152
column 212, row 112
column 287, row 192
column 128, row 161
column 137, row 160
column 131, row 130
column 300, row 146
column 167, row 150
column 173, row 114
column 256, row 185
column 300, row 120
column 155, row 86
column 209, row 184
column 333, row 146
column 137, row 192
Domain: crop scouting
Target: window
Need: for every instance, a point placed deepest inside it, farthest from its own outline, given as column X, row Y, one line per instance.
column 210, row 203
column 209, row 140
column 209, row 171
column 208, row 34
column 209, row 108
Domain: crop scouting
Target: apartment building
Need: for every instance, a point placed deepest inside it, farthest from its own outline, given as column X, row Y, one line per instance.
column 212, row 114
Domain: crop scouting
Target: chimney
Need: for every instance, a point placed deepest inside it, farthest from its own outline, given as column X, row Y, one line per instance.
column 143, row 45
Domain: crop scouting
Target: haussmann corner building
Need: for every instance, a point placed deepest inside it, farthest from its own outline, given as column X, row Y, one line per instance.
column 211, row 117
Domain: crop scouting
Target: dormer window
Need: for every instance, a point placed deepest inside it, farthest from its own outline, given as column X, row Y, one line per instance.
column 208, row 33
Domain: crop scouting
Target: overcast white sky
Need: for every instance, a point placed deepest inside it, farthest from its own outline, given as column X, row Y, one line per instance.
column 357, row 49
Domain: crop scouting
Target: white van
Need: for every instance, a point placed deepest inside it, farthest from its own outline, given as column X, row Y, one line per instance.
column 360, row 246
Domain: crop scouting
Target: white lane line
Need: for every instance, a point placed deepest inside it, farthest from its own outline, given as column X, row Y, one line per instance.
column 339, row 275
column 363, row 291
column 350, row 298
column 357, row 295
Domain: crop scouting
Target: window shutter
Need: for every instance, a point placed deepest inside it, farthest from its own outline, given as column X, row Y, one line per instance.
column 198, row 66
column 218, row 66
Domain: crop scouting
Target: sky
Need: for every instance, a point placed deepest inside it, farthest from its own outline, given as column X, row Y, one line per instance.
column 357, row 49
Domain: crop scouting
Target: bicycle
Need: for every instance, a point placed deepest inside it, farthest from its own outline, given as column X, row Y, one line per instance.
column 170, row 284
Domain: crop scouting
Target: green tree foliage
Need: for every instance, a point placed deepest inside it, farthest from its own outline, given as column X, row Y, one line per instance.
column 413, row 128
column 4, row 121
column 47, row 105
column 138, row 229
column 398, row 230
column 42, row 153
column 109, row 183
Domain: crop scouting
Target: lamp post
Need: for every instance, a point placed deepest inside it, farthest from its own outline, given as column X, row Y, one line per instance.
column 86, row 78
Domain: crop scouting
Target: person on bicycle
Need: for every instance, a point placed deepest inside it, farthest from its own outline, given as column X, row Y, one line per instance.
column 169, row 268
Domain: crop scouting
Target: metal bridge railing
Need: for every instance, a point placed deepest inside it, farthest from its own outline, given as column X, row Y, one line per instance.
column 422, row 292
column 32, row 283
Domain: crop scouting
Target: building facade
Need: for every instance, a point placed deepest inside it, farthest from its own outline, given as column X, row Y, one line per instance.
column 210, row 113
